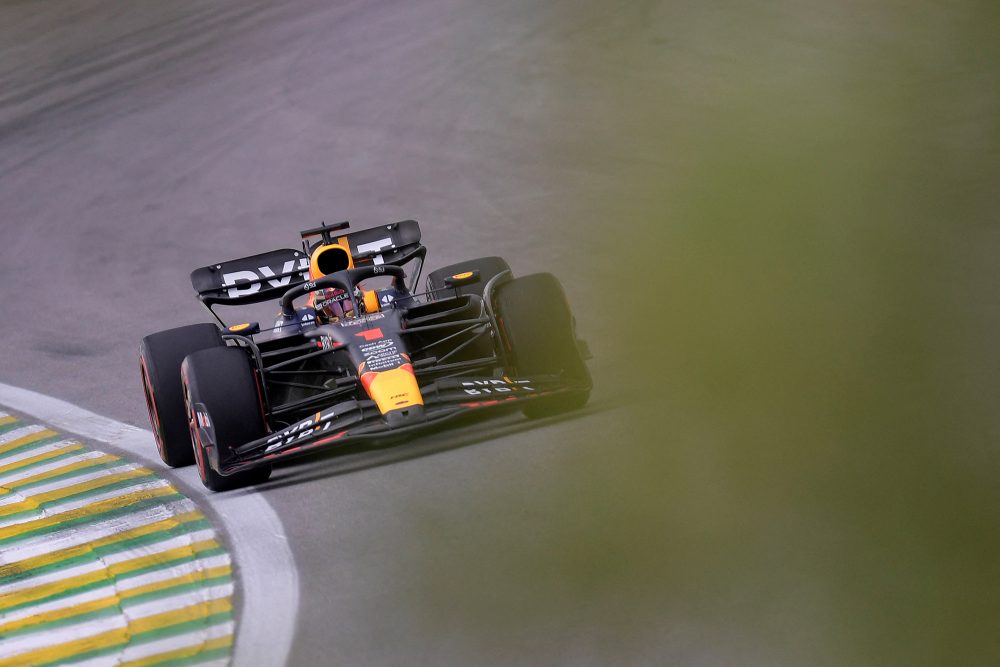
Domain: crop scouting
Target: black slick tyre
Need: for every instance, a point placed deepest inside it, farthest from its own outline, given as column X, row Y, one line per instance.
column 224, row 411
column 160, row 357
column 538, row 334
column 488, row 267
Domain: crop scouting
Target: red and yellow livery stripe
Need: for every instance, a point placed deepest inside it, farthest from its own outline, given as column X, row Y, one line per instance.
column 393, row 389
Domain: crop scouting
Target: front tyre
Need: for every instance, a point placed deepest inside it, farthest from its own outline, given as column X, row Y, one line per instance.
column 224, row 411
column 538, row 333
column 160, row 357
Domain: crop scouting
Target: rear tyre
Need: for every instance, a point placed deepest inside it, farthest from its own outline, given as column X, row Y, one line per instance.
column 160, row 357
column 488, row 267
column 538, row 333
column 220, row 384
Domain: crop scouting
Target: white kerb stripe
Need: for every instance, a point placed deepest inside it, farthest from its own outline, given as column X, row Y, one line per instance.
column 52, row 637
column 148, row 649
column 18, row 433
column 223, row 662
column 100, row 661
column 11, row 498
column 25, row 473
column 184, row 540
column 110, row 559
column 113, row 589
column 12, row 646
column 77, row 535
column 44, row 449
column 71, row 601
column 47, row 578
column 174, row 571
column 83, row 477
column 188, row 599
column 84, row 502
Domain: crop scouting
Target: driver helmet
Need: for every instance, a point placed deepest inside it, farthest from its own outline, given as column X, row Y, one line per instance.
column 332, row 304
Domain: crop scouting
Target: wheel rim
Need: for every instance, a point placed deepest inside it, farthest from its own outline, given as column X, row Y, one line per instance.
column 193, row 428
column 154, row 416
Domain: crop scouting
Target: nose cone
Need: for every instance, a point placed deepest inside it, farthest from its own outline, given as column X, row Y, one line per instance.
column 405, row 416
column 394, row 389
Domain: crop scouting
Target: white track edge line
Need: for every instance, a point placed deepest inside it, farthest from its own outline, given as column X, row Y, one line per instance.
column 265, row 566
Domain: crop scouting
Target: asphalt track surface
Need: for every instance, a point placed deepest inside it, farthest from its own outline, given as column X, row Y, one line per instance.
column 137, row 144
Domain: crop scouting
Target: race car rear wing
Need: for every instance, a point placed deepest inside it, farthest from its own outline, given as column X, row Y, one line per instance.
column 269, row 275
column 251, row 279
column 394, row 243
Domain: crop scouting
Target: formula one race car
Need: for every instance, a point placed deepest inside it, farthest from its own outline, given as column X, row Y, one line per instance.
column 367, row 357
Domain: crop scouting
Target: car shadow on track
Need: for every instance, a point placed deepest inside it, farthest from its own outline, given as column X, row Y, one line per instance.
column 359, row 457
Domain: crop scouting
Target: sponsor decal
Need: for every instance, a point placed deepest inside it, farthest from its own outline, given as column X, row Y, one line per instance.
column 332, row 300
column 381, row 354
column 375, row 246
column 327, row 343
column 370, row 335
column 321, row 422
column 365, row 319
column 489, row 387
column 254, row 279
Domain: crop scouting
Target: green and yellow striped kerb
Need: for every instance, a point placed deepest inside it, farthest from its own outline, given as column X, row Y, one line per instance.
column 102, row 562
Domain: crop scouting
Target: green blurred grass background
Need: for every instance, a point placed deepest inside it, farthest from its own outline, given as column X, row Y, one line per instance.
column 824, row 310
column 796, row 236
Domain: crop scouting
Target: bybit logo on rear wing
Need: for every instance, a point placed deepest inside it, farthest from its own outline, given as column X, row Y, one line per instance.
column 263, row 274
